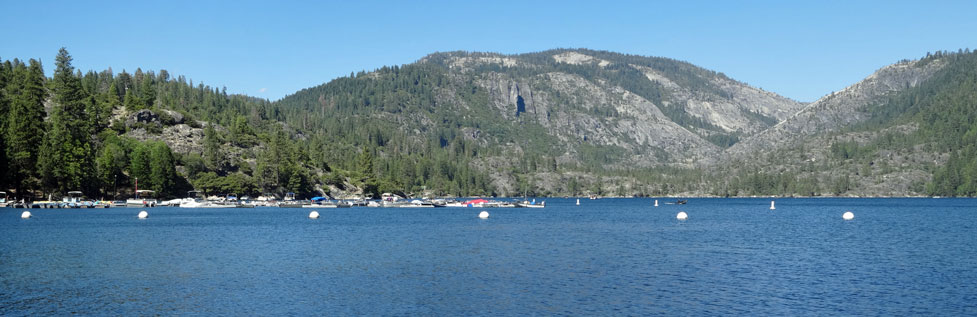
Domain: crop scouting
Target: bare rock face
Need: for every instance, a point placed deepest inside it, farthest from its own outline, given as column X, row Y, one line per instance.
column 176, row 116
column 181, row 138
column 839, row 109
column 734, row 107
column 577, row 111
column 142, row 116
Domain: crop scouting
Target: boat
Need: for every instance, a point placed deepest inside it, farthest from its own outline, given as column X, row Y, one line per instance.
column 232, row 201
column 477, row 203
column 75, row 199
column 454, row 203
column 3, row 199
column 322, row 202
column 193, row 200
column 290, row 202
column 678, row 202
column 360, row 202
column 389, row 200
column 143, row 198
column 326, row 204
column 265, row 200
column 171, row 203
column 417, row 203
column 531, row 204
column 481, row 203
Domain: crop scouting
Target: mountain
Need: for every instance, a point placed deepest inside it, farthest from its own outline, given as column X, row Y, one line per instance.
column 547, row 115
column 558, row 122
column 843, row 108
column 907, row 129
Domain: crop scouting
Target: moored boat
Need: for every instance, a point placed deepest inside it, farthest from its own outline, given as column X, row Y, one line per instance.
column 143, row 198
column 193, row 200
column 75, row 199
column 531, row 204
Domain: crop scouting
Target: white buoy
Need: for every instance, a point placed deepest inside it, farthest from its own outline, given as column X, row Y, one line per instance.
column 484, row 214
column 848, row 215
column 143, row 214
column 682, row 215
column 771, row 205
column 578, row 202
column 25, row 215
column 656, row 202
column 314, row 215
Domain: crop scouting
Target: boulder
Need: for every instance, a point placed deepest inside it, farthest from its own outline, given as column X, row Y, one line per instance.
column 177, row 117
column 142, row 116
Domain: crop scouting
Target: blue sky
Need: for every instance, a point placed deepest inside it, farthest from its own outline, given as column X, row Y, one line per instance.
column 802, row 50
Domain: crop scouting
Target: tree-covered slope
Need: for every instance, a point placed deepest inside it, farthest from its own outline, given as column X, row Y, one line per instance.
column 906, row 130
column 100, row 133
column 559, row 122
column 543, row 117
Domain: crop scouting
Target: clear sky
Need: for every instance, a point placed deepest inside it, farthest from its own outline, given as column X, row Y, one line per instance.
column 269, row 49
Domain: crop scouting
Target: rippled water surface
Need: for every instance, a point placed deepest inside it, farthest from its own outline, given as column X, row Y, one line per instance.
column 608, row 256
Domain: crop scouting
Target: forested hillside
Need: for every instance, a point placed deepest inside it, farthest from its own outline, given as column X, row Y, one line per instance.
column 918, row 139
column 72, row 132
column 563, row 122
column 559, row 122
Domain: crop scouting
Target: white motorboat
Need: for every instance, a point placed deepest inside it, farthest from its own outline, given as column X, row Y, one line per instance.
column 194, row 201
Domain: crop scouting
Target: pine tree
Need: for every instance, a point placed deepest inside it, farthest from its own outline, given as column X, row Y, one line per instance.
column 212, row 153
column 25, row 126
column 266, row 172
column 105, row 102
column 162, row 169
column 140, row 164
column 132, row 102
column 66, row 155
column 4, row 109
column 147, row 93
column 110, row 164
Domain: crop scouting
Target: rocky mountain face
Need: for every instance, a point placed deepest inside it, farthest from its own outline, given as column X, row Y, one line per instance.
column 655, row 110
column 623, row 124
column 831, row 144
column 839, row 109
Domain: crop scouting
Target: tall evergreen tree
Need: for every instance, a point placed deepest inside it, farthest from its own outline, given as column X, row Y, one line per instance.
column 147, row 91
column 140, row 167
column 212, row 144
column 106, row 101
column 25, row 127
column 162, row 169
column 66, row 154
column 4, row 109
column 110, row 164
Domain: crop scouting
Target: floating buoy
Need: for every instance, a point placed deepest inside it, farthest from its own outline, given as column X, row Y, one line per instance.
column 25, row 215
column 771, row 205
column 656, row 202
column 682, row 215
column 314, row 215
column 848, row 215
column 484, row 214
column 143, row 214
column 578, row 202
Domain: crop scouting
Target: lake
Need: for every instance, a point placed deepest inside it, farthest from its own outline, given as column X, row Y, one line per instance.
column 905, row 256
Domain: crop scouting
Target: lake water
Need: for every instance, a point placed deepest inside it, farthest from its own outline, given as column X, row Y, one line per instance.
column 607, row 256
